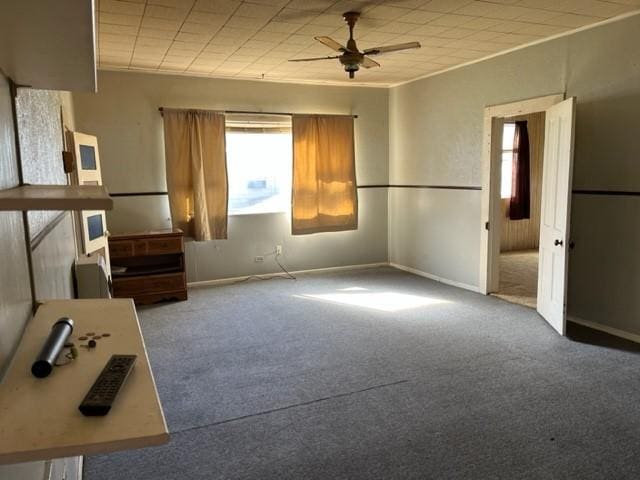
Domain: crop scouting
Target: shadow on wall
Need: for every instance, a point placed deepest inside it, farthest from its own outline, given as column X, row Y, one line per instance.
column 604, row 266
column 607, row 148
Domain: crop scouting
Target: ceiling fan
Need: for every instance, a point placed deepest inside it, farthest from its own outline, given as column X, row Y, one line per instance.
column 350, row 56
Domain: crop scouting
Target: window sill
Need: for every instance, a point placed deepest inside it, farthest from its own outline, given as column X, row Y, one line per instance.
column 245, row 214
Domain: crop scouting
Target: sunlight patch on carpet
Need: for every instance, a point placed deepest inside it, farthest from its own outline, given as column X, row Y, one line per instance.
column 384, row 301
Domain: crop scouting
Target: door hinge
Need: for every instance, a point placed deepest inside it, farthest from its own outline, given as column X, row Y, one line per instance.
column 486, row 225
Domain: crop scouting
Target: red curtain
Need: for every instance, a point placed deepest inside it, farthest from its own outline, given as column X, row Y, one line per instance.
column 520, row 204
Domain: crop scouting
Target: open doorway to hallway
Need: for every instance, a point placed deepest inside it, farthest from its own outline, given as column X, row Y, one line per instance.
column 557, row 158
column 520, row 204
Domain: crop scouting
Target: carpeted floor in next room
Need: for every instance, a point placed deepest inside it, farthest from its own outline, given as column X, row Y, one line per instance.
column 380, row 374
column 519, row 277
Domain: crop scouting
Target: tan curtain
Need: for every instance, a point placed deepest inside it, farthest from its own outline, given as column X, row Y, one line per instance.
column 196, row 172
column 324, row 197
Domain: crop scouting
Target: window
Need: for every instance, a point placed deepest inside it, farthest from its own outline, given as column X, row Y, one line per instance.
column 508, row 134
column 259, row 163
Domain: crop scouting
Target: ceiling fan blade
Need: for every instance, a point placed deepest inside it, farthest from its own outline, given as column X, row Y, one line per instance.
column 312, row 59
column 368, row 63
column 391, row 48
column 331, row 43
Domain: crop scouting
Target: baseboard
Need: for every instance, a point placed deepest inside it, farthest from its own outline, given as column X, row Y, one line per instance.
column 606, row 329
column 453, row 283
column 222, row 281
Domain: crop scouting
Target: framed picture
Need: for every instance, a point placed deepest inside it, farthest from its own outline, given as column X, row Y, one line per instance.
column 91, row 226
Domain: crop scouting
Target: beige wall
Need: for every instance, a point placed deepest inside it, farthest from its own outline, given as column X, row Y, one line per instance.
column 15, row 293
column 53, row 257
column 525, row 234
column 124, row 116
column 40, row 145
column 436, row 138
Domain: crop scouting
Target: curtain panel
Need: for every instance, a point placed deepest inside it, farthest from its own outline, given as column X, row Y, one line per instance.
column 324, row 193
column 520, row 203
column 196, row 172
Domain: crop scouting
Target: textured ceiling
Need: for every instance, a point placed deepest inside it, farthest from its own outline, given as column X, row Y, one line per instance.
column 254, row 39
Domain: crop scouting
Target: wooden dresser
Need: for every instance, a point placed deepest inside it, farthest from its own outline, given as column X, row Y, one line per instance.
column 148, row 266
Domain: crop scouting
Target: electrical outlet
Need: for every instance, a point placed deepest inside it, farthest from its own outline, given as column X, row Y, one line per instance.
column 278, row 249
column 258, row 259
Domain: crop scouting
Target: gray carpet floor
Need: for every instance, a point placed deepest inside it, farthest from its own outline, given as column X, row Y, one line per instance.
column 414, row 380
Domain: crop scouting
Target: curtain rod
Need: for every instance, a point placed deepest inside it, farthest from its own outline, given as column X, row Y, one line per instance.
column 161, row 109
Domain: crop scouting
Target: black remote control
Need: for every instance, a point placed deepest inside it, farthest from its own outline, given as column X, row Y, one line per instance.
column 106, row 387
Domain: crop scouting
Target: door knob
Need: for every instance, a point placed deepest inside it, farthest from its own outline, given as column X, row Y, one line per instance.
column 558, row 242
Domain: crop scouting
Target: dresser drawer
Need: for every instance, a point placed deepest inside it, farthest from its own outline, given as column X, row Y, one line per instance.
column 150, row 298
column 143, row 247
column 159, row 246
column 131, row 286
column 139, row 248
column 121, row 248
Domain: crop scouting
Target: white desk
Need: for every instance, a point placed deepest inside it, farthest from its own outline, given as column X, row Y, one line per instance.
column 39, row 418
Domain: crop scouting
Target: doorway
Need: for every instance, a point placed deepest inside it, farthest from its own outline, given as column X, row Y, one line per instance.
column 515, row 229
column 521, row 162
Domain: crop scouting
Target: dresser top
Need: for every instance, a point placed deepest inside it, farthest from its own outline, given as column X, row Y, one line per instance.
column 166, row 232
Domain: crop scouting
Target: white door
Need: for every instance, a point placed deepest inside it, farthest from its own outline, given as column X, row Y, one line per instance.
column 556, row 203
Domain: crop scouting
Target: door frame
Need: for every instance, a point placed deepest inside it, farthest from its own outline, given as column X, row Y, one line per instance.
column 490, row 217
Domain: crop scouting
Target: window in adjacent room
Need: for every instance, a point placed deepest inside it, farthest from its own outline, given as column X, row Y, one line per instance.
column 508, row 134
column 259, row 163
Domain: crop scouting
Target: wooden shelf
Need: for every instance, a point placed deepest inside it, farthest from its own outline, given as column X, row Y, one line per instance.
column 56, row 197
column 39, row 418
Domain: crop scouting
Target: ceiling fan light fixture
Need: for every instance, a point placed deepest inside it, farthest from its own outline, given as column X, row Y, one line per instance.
column 351, row 69
column 350, row 56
